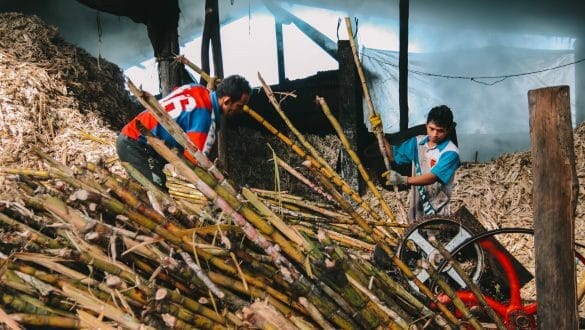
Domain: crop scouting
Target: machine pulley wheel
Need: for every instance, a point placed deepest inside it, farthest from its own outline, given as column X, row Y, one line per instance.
column 418, row 253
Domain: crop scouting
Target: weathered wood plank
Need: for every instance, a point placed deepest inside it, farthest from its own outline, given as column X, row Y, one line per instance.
column 554, row 198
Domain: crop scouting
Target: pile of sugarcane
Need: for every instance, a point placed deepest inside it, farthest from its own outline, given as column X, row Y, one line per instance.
column 86, row 248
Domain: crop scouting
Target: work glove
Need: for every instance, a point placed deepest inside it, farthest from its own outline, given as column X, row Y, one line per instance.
column 394, row 178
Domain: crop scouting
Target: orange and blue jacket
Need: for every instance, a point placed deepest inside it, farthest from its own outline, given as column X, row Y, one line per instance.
column 190, row 106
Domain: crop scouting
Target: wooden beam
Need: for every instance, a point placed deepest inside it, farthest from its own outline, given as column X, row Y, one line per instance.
column 211, row 34
column 350, row 114
column 554, row 198
column 579, row 82
column 282, row 15
column 403, row 65
column 279, row 52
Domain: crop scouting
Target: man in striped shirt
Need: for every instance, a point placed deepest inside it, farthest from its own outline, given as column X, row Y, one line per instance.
column 196, row 109
column 434, row 160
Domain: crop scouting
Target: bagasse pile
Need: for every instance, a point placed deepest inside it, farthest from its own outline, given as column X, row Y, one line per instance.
column 80, row 248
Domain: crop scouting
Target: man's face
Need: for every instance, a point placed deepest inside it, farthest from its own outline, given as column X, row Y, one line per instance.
column 231, row 107
column 436, row 133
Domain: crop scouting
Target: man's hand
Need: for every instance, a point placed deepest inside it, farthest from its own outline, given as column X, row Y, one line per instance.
column 394, row 178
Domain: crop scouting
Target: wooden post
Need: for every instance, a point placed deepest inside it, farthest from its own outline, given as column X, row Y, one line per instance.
column 350, row 115
column 211, row 33
column 554, row 198
column 279, row 51
column 579, row 82
column 403, row 65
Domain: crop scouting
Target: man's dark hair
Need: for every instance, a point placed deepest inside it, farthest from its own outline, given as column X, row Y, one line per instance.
column 233, row 86
column 442, row 116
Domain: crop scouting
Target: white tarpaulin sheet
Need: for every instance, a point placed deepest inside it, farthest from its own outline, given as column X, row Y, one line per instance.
column 491, row 113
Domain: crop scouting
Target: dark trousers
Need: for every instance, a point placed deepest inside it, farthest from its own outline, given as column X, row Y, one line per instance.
column 143, row 158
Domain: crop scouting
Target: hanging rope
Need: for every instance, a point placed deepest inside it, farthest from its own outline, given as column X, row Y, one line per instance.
column 477, row 79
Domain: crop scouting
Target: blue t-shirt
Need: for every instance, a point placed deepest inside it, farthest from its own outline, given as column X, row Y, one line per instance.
column 442, row 160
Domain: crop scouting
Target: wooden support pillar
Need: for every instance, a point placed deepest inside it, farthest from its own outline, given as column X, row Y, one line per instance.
column 403, row 65
column 580, row 81
column 554, row 198
column 350, row 115
column 211, row 33
column 279, row 51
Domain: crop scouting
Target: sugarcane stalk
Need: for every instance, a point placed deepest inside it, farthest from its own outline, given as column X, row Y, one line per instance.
column 301, row 178
column 264, row 316
column 276, row 105
column 274, row 219
column 378, row 132
column 356, row 159
column 136, row 204
column 44, row 321
column 124, row 274
column 310, row 228
column 303, row 204
column 152, row 105
column 400, row 322
column 344, row 204
column 151, row 224
column 132, row 293
column 185, row 319
column 457, row 302
column 202, row 276
column 397, row 290
column 113, row 270
column 34, row 235
column 251, row 280
column 316, row 157
column 176, row 297
column 183, row 60
column 184, row 192
column 470, row 284
column 339, row 259
column 303, row 287
column 222, row 203
column 147, row 184
column 422, row 287
column 331, row 175
column 198, row 271
column 42, row 175
column 234, row 301
column 382, row 241
column 89, row 321
column 581, row 289
column 279, row 301
column 340, row 319
column 53, row 162
column 349, row 241
column 15, row 302
column 315, row 314
column 94, row 304
column 286, row 212
column 271, row 193
column 254, row 218
column 104, row 292
column 207, row 230
column 11, row 280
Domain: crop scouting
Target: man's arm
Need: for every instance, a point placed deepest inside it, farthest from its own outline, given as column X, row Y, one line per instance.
column 421, row 180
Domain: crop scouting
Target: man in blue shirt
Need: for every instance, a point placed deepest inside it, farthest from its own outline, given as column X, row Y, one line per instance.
column 434, row 160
